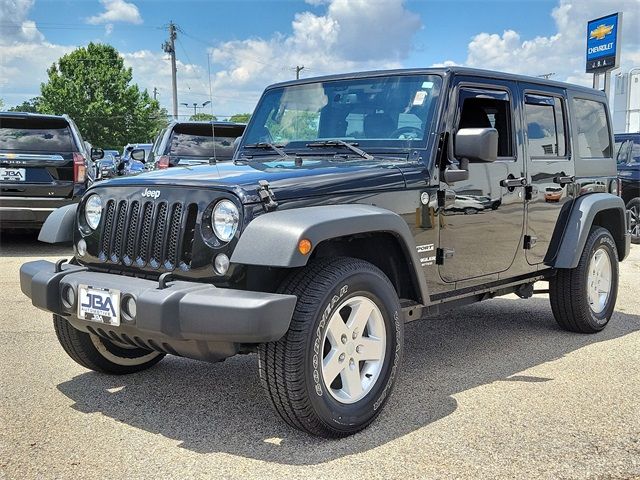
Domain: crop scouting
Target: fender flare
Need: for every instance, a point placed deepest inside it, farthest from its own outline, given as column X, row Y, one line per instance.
column 272, row 238
column 578, row 225
column 58, row 227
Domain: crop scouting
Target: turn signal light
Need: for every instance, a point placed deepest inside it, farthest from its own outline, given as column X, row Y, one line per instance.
column 304, row 246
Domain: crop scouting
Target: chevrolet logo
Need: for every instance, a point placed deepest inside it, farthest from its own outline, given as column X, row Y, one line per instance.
column 601, row 32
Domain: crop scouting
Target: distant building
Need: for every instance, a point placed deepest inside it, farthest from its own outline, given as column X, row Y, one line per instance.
column 626, row 102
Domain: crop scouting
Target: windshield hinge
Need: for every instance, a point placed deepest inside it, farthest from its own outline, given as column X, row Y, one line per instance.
column 267, row 198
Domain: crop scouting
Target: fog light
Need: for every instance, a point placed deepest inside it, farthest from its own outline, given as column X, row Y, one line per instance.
column 221, row 264
column 129, row 307
column 68, row 296
column 82, row 247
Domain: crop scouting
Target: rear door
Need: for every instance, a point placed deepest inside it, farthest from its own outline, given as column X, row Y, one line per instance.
column 550, row 167
column 36, row 157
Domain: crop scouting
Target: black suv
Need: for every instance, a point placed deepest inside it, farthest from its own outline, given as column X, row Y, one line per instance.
column 628, row 159
column 341, row 218
column 194, row 143
column 44, row 164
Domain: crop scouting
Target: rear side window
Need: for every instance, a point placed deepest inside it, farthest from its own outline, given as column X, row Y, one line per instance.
column 198, row 141
column 594, row 140
column 545, row 126
column 36, row 135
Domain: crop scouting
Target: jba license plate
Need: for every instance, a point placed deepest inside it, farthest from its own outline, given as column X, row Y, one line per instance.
column 99, row 305
column 12, row 174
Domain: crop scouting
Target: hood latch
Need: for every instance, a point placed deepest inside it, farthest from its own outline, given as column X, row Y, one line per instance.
column 267, row 198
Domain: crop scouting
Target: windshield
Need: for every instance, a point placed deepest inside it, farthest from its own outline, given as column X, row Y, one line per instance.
column 628, row 150
column 392, row 111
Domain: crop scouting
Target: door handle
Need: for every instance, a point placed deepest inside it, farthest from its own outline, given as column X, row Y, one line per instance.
column 564, row 179
column 513, row 182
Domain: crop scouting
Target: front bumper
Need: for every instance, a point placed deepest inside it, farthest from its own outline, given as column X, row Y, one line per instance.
column 195, row 320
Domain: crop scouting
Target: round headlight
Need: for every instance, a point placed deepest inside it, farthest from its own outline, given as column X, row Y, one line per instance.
column 225, row 219
column 93, row 211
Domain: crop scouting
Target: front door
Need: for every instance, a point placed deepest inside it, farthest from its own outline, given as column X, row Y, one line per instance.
column 550, row 170
column 481, row 230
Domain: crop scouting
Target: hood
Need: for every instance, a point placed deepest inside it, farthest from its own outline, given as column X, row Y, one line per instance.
column 317, row 176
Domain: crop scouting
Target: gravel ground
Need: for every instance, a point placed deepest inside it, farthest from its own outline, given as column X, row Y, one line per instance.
column 493, row 390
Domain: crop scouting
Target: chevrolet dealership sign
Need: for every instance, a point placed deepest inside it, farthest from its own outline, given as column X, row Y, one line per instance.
column 603, row 40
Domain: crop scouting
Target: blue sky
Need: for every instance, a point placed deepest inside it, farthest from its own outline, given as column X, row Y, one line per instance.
column 254, row 43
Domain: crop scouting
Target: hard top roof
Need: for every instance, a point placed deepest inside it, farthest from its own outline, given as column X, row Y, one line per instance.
column 444, row 71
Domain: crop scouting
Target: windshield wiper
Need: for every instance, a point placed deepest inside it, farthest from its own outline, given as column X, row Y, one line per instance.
column 341, row 143
column 267, row 145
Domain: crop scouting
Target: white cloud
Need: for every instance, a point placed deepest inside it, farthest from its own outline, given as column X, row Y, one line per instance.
column 562, row 53
column 117, row 11
column 20, row 29
column 351, row 35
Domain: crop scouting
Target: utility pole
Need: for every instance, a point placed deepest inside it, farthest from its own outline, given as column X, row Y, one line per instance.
column 155, row 93
column 299, row 68
column 547, row 76
column 170, row 48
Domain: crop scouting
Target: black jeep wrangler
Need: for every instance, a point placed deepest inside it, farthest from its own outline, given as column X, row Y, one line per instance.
column 345, row 214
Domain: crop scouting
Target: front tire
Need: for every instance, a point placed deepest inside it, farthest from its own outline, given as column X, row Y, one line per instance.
column 102, row 355
column 634, row 209
column 334, row 369
column 583, row 298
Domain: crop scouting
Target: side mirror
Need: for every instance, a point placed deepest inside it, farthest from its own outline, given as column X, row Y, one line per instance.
column 97, row 154
column 138, row 154
column 472, row 145
column 477, row 144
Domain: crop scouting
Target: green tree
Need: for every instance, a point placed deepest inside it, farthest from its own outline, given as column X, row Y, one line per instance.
column 32, row 106
column 240, row 117
column 92, row 85
column 206, row 117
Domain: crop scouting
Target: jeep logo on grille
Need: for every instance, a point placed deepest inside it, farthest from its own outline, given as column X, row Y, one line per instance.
column 151, row 193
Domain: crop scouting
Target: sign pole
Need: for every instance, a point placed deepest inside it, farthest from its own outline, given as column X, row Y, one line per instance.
column 607, row 82
column 596, row 81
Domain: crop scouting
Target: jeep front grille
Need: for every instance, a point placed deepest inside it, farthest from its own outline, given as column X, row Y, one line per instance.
column 149, row 233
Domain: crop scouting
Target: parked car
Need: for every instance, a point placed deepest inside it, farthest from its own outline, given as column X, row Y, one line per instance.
column 628, row 159
column 327, row 233
column 44, row 164
column 109, row 165
column 127, row 165
column 195, row 143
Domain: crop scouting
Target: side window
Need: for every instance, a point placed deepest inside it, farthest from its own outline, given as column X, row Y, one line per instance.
column 594, row 140
column 545, row 126
column 488, row 109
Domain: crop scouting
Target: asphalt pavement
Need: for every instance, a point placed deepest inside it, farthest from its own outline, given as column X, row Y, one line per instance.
column 492, row 390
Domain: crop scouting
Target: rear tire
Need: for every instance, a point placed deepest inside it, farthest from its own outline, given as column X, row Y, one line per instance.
column 334, row 369
column 583, row 298
column 102, row 355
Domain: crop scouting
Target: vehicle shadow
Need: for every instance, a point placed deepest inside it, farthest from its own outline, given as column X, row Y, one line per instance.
column 221, row 408
column 25, row 244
